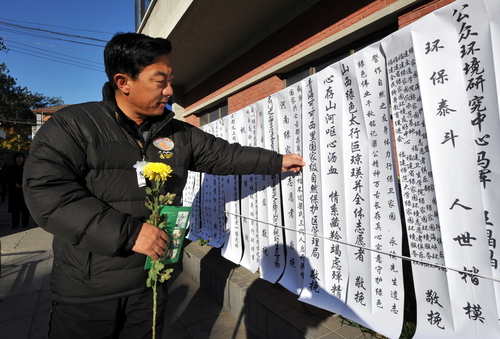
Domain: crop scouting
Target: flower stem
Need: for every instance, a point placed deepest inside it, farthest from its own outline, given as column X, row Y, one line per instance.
column 154, row 310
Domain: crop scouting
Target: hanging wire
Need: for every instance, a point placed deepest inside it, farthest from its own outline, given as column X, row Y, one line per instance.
column 425, row 263
column 35, row 29
column 57, row 60
column 94, row 65
column 70, row 28
column 44, row 44
column 36, row 35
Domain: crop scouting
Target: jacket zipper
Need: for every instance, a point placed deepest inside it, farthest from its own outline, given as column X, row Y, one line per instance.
column 151, row 136
column 88, row 266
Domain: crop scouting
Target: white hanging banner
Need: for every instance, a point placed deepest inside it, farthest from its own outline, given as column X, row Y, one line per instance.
column 289, row 122
column 268, row 196
column 233, row 246
column 357, row 194
column 492, row 10
column 212, row 207
column 245, row 123
column 191, row 196
column 329, row 121
column 478, row 68
column 384, row 223
column 313, row 273
column 190, row 189
column 262, row 203
column 417, row 188
column 201, row 225
column 221, row 131
column 451, row 145
column 315, row 290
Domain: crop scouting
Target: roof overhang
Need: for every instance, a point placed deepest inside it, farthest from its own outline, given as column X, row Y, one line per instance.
column 207, row 35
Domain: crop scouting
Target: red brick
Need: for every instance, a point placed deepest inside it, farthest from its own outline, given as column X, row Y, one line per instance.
column 408, row 18
column 373, row 8
column 321, row 21
column 193, row 120
column 427, row 10
column 253, row 94
column 444, row 3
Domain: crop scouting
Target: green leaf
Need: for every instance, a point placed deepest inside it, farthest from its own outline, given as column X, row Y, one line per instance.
column 166, row 274
column 202, row 242
column 158, row 266
column 169, row 198
column 152, row 274
column 162, row 225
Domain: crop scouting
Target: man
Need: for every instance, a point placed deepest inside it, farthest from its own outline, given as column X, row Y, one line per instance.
column 3, row 180
column 81, row 186
column 17, row 206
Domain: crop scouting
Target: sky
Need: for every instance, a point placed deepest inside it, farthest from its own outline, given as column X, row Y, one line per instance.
column 65, row 63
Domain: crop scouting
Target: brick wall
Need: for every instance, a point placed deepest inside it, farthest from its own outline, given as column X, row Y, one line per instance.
column 193, row 120
column 254, row 94
column 322, row 20
column 420, row 11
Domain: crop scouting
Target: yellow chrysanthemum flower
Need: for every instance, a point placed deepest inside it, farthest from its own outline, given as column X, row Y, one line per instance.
column 157, row 171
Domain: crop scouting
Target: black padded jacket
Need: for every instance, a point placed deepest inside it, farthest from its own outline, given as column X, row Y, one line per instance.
column 81, row 186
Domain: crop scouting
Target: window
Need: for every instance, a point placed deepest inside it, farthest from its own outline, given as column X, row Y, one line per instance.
column 213, row 114
column 297, row 75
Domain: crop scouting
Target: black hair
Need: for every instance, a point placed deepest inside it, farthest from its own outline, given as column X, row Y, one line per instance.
column 129, row 53
column 15, row 155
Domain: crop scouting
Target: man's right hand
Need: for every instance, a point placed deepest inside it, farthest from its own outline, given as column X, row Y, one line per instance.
column 151, row 241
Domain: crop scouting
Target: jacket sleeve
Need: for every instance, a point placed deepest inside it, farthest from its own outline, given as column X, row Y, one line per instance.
column 57, row 197
column 217, row 156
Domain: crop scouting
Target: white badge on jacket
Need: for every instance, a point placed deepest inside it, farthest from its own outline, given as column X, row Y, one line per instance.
column 139, row 166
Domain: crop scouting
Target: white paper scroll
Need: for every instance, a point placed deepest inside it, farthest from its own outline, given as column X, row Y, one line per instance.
column 268, row 196
column 313, row 273
column 191, row 196
column 221, row 231
column 357, row 195
column 245, row 122
column 375, row 292
column 212, row 201
column 289, row 121
column 417, row 186
column 386, row 283
column 233, row 246
column 449, row 108
column 262, row 202
column 329, row 121
column 315, row 290
column 482, row 94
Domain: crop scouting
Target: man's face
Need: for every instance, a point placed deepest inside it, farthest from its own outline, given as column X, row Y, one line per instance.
column 149, row 92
